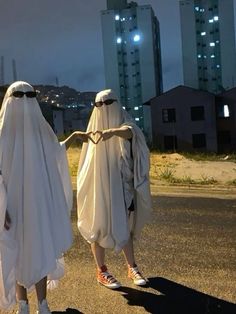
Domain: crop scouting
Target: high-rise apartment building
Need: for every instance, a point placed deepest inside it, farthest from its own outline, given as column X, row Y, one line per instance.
column 208, row 43
column 132, row 57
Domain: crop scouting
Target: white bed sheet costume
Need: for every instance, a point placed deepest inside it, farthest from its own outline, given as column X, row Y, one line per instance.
column 109, row 179
column 35, row 188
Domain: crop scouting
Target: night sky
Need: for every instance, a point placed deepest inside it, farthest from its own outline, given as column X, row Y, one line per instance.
column 62, row 38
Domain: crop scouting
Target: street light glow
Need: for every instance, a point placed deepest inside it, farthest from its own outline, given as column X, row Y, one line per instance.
column 136, row 38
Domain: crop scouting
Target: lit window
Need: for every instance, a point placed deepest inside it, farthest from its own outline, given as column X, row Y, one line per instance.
column 122, row 19
column 212, row 56
column 202, row 10
column 123, row 107
column 199, row 56
column 203, row 33
column 136, row 37
column 135, row 108
column 117, row 17
column 216, row 18
column 226, row 111
column 218, row 66
column 217, row 41
column 212, row 44
column 211, row 21
column 197, row 8
column 119, row 40
column 136, row 119
column 204, row 56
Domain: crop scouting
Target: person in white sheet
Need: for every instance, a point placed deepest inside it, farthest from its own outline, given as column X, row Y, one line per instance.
column 36, row 199
column 113, row 191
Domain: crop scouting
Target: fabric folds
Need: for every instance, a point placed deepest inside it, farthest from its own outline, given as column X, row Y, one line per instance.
column 109, row 179
column 38, row 195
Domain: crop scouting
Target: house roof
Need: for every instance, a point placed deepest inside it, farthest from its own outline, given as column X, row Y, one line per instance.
column 181, row 89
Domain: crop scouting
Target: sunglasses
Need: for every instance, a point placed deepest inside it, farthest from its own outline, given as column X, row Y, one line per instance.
column 20, row 94
column 106, row 102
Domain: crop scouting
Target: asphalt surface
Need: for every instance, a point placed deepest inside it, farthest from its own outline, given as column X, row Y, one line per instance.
column 188, row 252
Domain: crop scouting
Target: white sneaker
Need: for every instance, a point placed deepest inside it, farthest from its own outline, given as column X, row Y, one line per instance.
column 136, row 276
column 23, row 307
column 43, row 307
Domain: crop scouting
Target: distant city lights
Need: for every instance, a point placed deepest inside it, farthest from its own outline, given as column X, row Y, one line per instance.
column 117, row 17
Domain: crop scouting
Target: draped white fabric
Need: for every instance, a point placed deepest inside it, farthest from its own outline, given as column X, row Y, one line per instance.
column 108, row 179
column 38, row 195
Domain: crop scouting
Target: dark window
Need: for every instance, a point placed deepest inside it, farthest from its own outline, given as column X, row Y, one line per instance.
column 199, row 140
column 224, row 137
column 170, row 142
column 168, row 115
column 197, row 113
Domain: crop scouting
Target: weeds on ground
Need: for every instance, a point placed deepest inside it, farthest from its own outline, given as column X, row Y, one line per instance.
column 207, row 180
column 209, row 156
column 232, row 182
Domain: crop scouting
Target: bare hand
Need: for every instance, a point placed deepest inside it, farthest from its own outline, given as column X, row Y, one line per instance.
column 83, row 136
column 107, row 134
column 7, row 223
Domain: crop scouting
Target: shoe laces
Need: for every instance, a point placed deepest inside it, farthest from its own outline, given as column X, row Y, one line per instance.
column 135, row 272
column 108, row 277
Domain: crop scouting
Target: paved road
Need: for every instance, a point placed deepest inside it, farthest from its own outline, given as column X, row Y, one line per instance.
column 187, row 251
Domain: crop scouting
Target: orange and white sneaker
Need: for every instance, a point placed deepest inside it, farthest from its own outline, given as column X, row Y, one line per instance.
column 136, row 276
column 106, row 279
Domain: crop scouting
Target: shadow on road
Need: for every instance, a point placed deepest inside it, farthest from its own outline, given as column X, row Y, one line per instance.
column 176, row 299
column 68, row 311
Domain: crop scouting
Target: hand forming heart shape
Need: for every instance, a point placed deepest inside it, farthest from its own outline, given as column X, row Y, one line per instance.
column 95, row 137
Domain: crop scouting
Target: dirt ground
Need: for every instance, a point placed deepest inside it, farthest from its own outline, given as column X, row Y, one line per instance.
column 221, row 171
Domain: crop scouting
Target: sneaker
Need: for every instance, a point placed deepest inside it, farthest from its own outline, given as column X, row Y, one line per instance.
column 136, row 276
column 106, row 279
column 23, row 307
column 43, row 307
